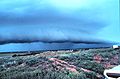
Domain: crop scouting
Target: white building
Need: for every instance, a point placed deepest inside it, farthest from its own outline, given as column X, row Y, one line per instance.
column 115, row 46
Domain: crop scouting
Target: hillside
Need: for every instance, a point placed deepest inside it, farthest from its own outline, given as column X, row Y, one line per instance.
column 79, row 64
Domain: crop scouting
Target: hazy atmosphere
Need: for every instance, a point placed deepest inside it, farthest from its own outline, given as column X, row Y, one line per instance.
column 58, row 24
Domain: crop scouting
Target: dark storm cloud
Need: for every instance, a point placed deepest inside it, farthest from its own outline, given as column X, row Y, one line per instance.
column 50, row 16
column 55, row 28
column 53, row 41
column 49, row 24
column 29, row 34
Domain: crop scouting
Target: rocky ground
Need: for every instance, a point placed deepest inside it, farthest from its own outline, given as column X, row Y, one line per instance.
column 79, row 64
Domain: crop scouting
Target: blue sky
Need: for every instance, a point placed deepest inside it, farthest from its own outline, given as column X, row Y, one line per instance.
column 75, row 21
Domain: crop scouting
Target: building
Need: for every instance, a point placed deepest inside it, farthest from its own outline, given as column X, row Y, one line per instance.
column 115, row 46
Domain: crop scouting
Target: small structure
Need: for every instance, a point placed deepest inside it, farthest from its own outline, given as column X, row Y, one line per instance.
column 115, row 47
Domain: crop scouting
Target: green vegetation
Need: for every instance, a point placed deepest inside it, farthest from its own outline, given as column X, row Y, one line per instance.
column 82, row 64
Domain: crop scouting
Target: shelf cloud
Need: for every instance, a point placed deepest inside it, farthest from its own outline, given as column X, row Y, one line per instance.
column 57, row 21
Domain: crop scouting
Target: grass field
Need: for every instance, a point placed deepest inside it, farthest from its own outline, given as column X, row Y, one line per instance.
column 80, row 64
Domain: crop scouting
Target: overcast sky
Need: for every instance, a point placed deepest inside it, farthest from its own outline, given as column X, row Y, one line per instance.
column 58, row 21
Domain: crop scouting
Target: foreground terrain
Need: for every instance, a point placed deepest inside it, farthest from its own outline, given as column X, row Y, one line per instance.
column 79, row 64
